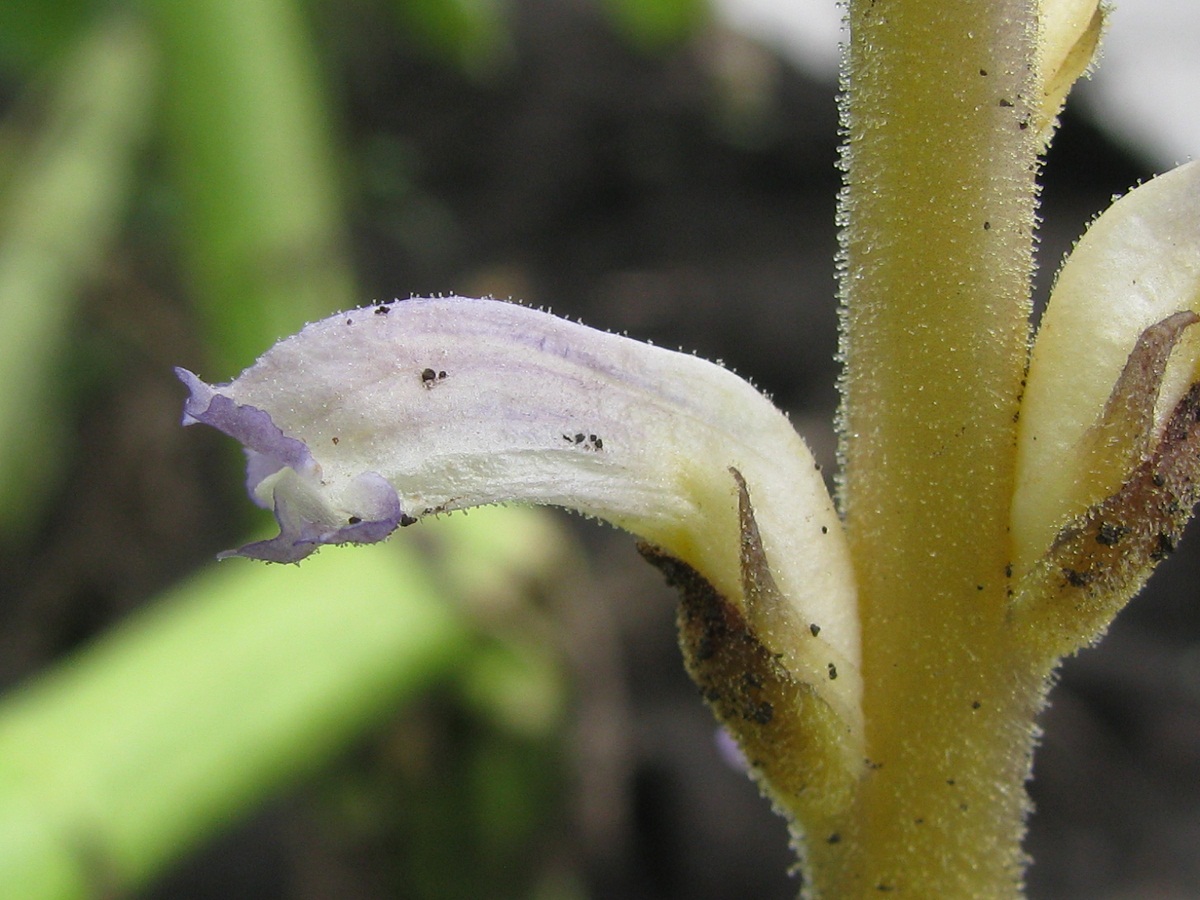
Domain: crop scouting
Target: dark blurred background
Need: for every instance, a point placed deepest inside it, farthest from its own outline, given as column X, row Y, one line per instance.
column 634, row 164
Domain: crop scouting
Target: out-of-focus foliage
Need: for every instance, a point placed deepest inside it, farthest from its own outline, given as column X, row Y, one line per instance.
column 32, row 34
column 252, row 155
column 470, row 34
column 72, row 150
column 236, row 681
column 656, row 24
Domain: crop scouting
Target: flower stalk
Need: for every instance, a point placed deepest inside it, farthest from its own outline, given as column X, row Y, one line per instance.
column 938, row 216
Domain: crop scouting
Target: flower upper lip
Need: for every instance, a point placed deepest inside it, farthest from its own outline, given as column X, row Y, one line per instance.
column 250, row 426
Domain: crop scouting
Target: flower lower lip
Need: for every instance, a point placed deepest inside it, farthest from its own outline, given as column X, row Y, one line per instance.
column 269, row 452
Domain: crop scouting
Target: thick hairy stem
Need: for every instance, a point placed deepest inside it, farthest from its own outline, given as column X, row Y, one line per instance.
column 937, row 215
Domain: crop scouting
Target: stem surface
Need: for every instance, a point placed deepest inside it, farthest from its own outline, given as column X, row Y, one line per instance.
column 937, row 215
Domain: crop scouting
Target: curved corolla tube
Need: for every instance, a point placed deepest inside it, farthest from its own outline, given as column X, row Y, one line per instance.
column 379, row 417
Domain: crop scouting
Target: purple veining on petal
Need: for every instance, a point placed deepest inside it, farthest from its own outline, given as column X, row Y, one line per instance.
column 251, row 426
column 380, row 513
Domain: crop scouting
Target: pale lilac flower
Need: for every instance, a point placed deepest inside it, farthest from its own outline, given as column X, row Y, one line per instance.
column 380, row 417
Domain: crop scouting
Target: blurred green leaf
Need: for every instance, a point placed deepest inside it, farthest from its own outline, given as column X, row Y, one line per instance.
column 34, row 32
column 59, row 214
column 470, row 33
column 655, row 24
column 238, row 682
column 252, row 145
column 189, row 714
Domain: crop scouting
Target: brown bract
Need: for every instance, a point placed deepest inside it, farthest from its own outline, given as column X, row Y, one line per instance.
column 1101, row 558
column 795, row 742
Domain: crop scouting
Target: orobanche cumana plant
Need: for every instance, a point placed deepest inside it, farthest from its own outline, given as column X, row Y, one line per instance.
column 881, row 657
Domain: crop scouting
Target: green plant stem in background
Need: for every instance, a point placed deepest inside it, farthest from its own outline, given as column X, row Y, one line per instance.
column 248, row 127
column 117, row 762
column 238, row 682
column 938, row 213
column 59, row 213
column 659, row 24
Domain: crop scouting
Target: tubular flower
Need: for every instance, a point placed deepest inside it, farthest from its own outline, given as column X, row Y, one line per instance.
column 1106, row 454
column 379, row 417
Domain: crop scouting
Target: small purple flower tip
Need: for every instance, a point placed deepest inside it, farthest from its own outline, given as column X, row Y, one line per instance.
column 299, row 537
column 250, row 426
column 305, row 524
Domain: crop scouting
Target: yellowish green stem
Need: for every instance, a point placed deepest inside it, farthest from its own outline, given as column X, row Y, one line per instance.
column 938, row 213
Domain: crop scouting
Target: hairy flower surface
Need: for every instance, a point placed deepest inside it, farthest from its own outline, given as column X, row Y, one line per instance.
column 379, row 417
